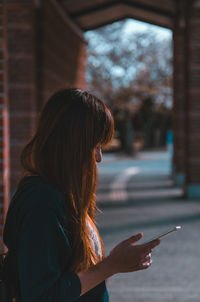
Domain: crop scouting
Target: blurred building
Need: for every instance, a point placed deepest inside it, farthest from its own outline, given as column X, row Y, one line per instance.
column 42, row 49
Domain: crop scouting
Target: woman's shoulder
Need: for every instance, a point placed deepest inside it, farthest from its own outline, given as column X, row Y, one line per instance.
column 34, row 200
column 34, row 191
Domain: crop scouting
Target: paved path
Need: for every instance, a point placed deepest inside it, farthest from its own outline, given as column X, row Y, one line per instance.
column 138, row 195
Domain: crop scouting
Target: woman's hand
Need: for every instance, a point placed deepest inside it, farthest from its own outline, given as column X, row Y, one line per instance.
column 127, row 257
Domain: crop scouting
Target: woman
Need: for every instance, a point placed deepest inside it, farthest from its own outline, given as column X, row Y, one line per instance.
column 55, row 251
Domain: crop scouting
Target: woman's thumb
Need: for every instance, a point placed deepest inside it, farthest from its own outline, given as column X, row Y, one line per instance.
column 134, row 238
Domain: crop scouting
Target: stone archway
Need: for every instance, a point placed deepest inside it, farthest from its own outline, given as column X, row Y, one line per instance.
column 42, row 49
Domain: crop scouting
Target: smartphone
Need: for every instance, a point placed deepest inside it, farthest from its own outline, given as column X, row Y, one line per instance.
column 176, row 228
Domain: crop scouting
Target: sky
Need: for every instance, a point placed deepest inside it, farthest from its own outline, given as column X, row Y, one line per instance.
column 133, row 25
column 138, row 26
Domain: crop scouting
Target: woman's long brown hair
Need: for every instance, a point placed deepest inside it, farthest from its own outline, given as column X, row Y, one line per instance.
column 62, row 151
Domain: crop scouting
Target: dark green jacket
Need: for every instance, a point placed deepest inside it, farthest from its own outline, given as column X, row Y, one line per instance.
column 40, row 250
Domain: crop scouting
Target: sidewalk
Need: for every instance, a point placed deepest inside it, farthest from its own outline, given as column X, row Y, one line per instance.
column 150, row 204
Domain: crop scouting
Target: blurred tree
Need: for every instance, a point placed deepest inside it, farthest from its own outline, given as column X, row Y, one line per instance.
column 128, row 70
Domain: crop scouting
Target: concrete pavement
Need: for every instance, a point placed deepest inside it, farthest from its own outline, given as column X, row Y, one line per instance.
column 137, row 194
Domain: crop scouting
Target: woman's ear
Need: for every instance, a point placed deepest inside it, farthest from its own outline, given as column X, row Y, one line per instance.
column 98, row 154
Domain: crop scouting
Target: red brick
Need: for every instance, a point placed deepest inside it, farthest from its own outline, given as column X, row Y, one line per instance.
column 61, row 65
column 59, row 60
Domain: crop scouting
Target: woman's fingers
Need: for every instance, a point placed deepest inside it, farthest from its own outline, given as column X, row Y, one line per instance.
column 147, row 260
column 151, row 245
column 147, row 257
column 145, row 265
column 127, row 256
column 134, row 238
column 148, row 263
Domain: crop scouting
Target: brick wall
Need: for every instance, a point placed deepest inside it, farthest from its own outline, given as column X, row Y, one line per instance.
column 45, row 53
column 193, row 163
column 180, row 92
column 4, row 125
column 21, row 79
column 41, row 50
column 187, row 96
column 61, row 51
